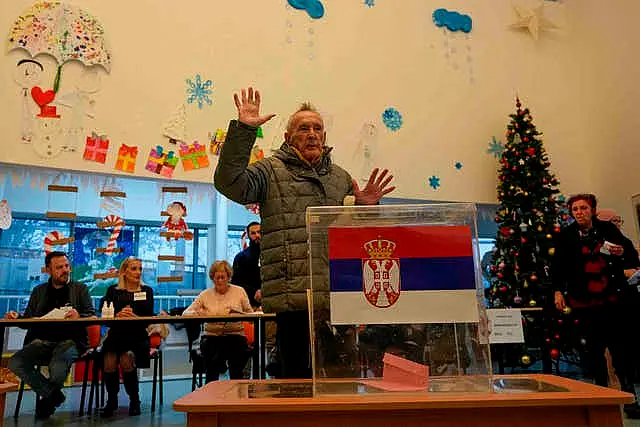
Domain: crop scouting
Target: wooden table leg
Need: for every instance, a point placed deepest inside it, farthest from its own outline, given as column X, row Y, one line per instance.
column 605, row 416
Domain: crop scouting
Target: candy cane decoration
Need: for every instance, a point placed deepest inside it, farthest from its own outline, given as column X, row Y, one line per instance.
column 55, row 238
column 117, row 223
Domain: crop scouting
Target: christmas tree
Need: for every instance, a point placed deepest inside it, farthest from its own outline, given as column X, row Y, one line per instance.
column 176, row 127
column 529, row 216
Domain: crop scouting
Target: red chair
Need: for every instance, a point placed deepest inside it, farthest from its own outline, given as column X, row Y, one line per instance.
column 155, row 354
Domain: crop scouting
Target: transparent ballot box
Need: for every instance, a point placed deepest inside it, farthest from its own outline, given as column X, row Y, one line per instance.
column 396, row 299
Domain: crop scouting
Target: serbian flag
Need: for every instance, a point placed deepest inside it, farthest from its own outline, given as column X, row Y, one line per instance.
column 402, row 274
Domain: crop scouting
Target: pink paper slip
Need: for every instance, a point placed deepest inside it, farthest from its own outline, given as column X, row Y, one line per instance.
column 401, row 374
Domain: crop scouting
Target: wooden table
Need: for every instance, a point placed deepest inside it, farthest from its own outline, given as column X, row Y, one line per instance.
column 4, row 389
column 258, row 319
column 573, row 404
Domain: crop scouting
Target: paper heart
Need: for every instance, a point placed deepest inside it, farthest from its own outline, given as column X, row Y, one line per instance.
column 42, row 98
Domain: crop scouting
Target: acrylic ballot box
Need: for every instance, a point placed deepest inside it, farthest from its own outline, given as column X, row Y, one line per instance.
column 396, row 300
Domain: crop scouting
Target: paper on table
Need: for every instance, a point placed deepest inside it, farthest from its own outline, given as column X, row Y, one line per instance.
column 56, row 313
column 400, row 374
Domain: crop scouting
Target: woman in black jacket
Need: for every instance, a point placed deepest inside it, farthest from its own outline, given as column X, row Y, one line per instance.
column 589, row 277
column 127, row 345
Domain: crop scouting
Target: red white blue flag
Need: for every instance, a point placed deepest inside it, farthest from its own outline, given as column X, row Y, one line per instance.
column 402, row 274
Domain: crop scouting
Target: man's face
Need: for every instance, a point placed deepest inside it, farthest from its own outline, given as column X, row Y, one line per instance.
column 307, row 135
column 582, row 212
column 59, row 270
column 255, row 233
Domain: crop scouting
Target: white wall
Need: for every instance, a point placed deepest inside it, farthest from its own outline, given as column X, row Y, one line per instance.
column 578, row 81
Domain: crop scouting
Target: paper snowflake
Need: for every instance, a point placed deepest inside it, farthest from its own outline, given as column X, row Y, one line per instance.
column 434, row 182
column 392, row 119
column 199, row 91
column 369, row 3
column 458, row 165
column 495, row 147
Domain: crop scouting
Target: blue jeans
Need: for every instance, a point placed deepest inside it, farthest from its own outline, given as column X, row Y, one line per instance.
column 59, row 356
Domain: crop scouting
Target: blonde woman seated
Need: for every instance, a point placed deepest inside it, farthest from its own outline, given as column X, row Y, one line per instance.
column 127, row 345
column 222, row 342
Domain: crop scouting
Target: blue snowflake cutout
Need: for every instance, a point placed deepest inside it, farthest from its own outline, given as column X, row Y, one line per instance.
column 434, row 182
column 369, row 3
column 458, row 165
column 495, row 147
column 199, row 91
column 392, row 119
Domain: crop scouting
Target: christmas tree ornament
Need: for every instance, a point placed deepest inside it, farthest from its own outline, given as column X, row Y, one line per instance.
column 547, row 340
column 533, row 277
column 551, row 251
column 525, row 284
column 501, row 265
column 523, row 227
column 549, row 236
column 554, row 353
column 576, row 321
column 525, row 360
column 517, row 299
column 566, row 310
column 532, row 303
column 560, row 321
column 583, row 341
column 556, row 336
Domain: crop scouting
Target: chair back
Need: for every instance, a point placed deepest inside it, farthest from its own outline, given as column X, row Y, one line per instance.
column 249, row 332
column 94, row 334
column 155, row 340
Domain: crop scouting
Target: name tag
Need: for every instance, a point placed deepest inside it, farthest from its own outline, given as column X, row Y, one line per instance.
column 140, row 296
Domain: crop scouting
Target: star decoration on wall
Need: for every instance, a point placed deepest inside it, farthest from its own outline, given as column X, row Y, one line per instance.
column 532, row 20
column 458, row 165
column 434, row 182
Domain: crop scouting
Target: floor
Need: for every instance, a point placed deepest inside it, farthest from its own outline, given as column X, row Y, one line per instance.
column 67, row 414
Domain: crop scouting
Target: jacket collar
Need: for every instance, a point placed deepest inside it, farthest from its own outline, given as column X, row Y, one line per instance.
column 290, row 155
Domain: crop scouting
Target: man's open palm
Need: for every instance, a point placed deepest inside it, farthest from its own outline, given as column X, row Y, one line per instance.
column 248, row 105
column 375, row 188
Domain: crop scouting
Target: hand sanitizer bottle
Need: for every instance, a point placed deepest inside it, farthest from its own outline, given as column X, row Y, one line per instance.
column 107, row 310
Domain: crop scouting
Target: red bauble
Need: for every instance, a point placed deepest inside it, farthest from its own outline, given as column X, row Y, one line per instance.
column 500, row 276
column 557, row 336
column 517, row 154
column 560, row 321
column 503, row 288
column 533, row 277
column 497, row 219
column 514, row 168
column 523, row 240
column 525, row 139
column 547, row 340
column 493, row 268
column 530, row 151
column 516, row 254
column 565, row 217
column 554, row 353
column 576, row 321
column 556, row 229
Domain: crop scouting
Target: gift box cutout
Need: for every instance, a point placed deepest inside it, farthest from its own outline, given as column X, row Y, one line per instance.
column 194, row 156
column 96, row 148
column 126, row 161
column 216, row 141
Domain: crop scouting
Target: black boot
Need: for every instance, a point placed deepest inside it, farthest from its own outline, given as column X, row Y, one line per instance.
column 112, row 384
column 130, row 381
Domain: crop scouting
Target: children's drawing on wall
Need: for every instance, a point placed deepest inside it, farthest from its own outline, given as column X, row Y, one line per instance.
column 434, row 182
column 77, row 106
column 198, row 91
column 65, row 33
column 308, row 36
column 216, row 141
column 456, row 39
column 28, row 74
column 366, row 151
column 175, row 225
column 369, row 3
column 176, row 127
column 458, row 166
column 96, row 148
column 495, row 148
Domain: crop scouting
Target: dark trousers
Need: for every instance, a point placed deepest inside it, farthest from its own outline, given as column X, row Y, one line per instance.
column 292, row 339
column 604, row 327
column 58, row 356
column 219, row 351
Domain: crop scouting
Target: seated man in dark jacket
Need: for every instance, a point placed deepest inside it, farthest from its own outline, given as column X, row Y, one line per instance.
column 52, row 344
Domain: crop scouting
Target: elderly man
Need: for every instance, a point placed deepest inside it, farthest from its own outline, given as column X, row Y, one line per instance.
column 298, row 175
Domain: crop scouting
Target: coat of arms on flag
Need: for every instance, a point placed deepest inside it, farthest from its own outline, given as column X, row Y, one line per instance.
column 381, row 273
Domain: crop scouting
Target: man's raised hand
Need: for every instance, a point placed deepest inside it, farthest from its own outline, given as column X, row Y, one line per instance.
column 248, row 105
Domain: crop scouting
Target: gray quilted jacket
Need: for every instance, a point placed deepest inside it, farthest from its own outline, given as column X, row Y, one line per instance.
column 284, row 185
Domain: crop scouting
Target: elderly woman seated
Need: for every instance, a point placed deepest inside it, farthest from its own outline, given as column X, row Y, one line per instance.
column 223, row 342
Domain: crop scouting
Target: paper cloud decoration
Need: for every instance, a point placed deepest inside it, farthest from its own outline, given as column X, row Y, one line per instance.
column 314, row 8
column 454, row 21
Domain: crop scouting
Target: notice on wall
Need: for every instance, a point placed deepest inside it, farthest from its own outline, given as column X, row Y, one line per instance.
column 505, row 326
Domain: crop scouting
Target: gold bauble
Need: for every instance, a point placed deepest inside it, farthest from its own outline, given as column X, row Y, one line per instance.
column 549, row 236
column 532, row 303
column 539, row 228
column 566, row 310
column 551, row 251
column 525, row 360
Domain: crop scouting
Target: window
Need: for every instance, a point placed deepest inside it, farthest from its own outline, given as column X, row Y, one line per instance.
column 234, row 243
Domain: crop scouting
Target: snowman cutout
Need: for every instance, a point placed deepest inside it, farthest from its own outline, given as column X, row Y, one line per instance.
column 28, row 73
column 47, row 141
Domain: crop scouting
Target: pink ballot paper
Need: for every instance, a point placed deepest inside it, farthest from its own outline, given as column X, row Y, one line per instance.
column 400, row 374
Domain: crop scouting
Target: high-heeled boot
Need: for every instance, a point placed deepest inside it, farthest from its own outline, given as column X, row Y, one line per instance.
column 112, row 384
column 130, row 381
